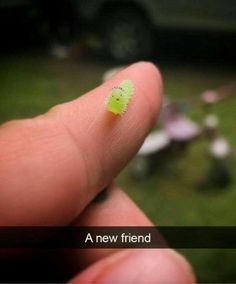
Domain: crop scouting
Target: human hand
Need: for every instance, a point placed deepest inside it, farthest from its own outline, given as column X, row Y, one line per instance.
column 53, row 166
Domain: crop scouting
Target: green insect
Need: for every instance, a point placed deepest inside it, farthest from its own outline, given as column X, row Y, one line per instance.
column 119, row 97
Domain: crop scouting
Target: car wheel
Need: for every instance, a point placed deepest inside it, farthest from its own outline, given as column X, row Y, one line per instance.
column 128, row 36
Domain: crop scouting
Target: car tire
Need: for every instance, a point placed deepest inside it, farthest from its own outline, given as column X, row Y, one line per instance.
column 127, row 35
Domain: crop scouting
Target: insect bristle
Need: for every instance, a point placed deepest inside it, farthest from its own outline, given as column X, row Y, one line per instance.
column 124, row 109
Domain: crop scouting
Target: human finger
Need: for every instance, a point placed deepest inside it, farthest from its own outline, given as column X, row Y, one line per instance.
column 53, row 165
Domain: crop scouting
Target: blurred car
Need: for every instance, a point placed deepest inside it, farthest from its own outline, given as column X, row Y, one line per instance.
column 126, row 28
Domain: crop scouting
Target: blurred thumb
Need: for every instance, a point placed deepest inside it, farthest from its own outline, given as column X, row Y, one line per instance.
column 139, row 266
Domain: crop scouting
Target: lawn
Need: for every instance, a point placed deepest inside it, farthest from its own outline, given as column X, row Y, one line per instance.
column 30, row 84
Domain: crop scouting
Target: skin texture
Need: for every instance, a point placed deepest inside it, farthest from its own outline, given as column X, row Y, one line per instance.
column 54, row 165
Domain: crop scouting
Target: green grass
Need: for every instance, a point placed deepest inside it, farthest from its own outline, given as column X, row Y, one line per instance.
column 30, row 85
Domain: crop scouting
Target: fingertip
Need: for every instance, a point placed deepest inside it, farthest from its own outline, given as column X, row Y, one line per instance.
column 148, row 83
column 185, row 269
column 150, row 72
column 144, row 74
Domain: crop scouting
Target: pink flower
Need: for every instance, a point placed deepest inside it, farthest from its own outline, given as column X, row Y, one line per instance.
column 210, row 97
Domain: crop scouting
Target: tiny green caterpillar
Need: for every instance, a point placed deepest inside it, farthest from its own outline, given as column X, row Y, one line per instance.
column 119, row 97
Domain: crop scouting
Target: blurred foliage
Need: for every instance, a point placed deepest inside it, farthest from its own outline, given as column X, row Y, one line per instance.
column 31, row 84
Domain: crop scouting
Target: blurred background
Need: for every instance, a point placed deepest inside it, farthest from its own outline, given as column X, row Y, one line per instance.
column 54, row 51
